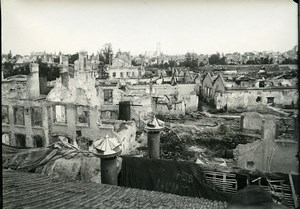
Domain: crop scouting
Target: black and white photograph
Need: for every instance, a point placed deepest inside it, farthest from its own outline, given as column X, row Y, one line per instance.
column 133, row 104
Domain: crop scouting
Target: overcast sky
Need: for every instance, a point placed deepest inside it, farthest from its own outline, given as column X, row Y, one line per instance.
column 199, row 26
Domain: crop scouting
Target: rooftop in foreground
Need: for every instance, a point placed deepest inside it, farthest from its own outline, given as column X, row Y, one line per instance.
column 30, row 190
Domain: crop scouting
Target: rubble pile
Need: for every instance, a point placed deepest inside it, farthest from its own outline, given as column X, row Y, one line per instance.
column 60, row 160
column 198, row 145
column 173, row 147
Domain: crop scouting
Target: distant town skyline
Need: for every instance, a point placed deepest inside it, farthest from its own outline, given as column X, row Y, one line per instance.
column 137, row 26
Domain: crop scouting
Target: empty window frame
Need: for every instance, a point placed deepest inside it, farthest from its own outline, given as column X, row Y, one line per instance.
column 114, row 74
column 38, row 141
column 36, row 116
column 121, row 74
column 19, row 116
column 20, row 140
column 60, row 114
column 128, row 74
column 6, row 138
column 82, row 114
column 108, row 95
column 270, row 100
column 4, row 111
column 258, row 99
column 261, row 84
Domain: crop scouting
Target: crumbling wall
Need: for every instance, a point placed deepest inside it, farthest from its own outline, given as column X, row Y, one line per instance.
column 183, row 92
column 253, row 120
column 172, row 109
column 251, row 98
column 127, row 136
column 140, row 95
column 13, row 89
column 27, row 129
column 246, row 153
column 281, row 158
column 146, row 108
column 117, row 94
column 124, row 131
column 284, row 159
column 267, row 154
column 81, row 90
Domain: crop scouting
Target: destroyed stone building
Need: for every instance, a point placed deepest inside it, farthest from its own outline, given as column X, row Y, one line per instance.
column 70, row 110
column 150, row 104
column 83, row 110
column 248, row 93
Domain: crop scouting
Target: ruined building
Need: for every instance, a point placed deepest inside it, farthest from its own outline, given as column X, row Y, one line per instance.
column 72, row 109
column 24, row 111
column 218, row 93
column 121, row 67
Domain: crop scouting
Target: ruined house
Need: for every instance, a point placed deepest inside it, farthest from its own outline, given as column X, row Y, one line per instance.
column 250, row 94
column 70, row 110
column 24, row 111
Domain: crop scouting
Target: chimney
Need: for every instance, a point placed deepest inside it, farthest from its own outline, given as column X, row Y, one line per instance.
column 64, row 75
column 33, row 82
column 108, row 149
column 153, row 129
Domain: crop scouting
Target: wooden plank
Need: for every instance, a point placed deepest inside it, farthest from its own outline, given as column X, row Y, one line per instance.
column 219, row 181
column 219, row 174
column 293, row 190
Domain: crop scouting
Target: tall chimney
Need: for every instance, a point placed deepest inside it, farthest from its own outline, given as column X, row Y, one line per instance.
column 153, row 129
column 64, row 75
column 33, row 81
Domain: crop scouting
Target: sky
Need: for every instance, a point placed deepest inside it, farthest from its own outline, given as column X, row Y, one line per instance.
column 202, row 26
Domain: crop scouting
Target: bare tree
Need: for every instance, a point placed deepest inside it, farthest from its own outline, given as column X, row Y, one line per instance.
column 108, row 53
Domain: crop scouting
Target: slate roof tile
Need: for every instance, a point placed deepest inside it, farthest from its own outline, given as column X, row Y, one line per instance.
column 31, row 190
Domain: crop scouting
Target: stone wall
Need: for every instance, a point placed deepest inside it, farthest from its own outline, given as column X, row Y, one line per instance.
column 27, row 129
column 184, row 92
column 14, row 89
column 268, row 154
column 251, row 98
column 109, row 106
column 253, row 120
column 186, row 101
